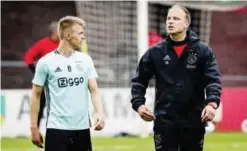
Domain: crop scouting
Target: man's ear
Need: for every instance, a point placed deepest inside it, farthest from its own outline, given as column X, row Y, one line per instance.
column 68, row 35
column 187, row 24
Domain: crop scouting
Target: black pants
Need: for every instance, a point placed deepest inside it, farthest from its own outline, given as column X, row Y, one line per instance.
column 179, row 139
column 41, row 108
column 68, row 140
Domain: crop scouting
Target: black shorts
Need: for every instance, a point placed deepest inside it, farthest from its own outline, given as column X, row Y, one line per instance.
column 68, row 140
column 179, row 139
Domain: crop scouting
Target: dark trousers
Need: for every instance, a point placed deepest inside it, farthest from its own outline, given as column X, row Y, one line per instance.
column 41, row 108
column 172, row 138
column 68, row 140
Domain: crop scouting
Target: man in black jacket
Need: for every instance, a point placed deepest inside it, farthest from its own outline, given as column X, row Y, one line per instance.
column 184, row 69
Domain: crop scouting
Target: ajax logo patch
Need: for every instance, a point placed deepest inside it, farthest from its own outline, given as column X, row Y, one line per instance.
column 192, row 58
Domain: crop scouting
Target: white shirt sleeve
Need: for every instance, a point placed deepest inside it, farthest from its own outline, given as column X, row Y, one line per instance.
column 92, row 72
column 41, row 72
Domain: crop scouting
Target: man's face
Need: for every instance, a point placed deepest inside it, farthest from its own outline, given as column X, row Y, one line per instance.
column 176, row 21
column 77, row 36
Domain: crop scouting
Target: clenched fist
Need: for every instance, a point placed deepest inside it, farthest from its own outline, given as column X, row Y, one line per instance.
column 145, row 113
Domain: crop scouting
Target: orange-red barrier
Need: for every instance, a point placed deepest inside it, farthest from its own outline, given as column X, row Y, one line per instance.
column 234, row 109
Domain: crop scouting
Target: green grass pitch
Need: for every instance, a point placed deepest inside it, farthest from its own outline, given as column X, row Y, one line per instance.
column 213, row 142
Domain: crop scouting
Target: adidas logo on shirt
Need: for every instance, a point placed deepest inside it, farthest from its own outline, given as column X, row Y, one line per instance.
column 58, row 70
column 166, row 58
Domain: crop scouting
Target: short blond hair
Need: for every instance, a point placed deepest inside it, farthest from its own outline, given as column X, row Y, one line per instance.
column 67, row 22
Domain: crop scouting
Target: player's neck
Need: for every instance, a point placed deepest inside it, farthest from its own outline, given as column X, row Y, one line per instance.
column 179, row 36
column 65, row 49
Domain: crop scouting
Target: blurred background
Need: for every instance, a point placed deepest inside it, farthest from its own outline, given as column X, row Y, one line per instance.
column 118, row 33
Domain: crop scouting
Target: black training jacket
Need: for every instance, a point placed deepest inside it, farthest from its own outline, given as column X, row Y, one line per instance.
column 180, row 83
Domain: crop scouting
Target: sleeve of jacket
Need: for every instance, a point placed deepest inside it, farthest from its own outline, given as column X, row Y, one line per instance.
column 139, row 82
column 32, row 55
column 212, row 78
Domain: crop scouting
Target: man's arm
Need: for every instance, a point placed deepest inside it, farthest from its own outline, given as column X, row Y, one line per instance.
column 35, row 104
column 39, row 80
column 139, row 82
column 212, row 79
column 37, row 138
column 95, row 95
column 93, row 87
column 32, row 55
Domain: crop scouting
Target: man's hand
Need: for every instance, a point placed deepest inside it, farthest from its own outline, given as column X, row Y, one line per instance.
column 208, row 113
column 100, row 122
column 145, row 113
column 37, row 138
